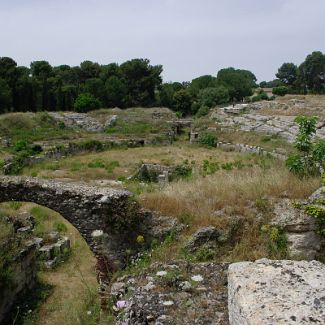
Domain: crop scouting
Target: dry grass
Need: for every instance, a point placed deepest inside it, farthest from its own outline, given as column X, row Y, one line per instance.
column 314, row 105
column 202, row 197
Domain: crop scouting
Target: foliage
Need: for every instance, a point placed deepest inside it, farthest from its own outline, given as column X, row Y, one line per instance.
column 317, row 213
column 239, row 83
column 202, row 82
column 5, row 96
column 262, row 95
column 91, row 145
column 86, row 102
column 209, row 167
column 182, row 171
column 182, row 101
column 308, row 77
column 280, row 90
column 277, row 240
column 202, row 111
column 311, row 157
column 208, row 139
column 100, row 163
column 213, row 96
column 287, row 74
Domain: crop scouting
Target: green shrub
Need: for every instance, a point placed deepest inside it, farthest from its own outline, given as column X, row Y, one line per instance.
column 97, row 163
column 280, row 90
column 276, row 240
column 208, row 139
column 209, row 167
column 111, row 166
column 20, row 145
column 204, row 254
column 202, row 111
column 92, row 145
column 181, row 171
column 86, row 102
column 317, row 213
column 227, row 166
column 311, row 157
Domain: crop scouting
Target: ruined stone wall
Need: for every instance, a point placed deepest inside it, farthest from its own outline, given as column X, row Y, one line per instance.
column 86, row 207
column 249, row 149
column 23, row 276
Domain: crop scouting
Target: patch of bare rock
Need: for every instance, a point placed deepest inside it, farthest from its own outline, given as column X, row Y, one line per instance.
column 276, row 292
column 245, row 117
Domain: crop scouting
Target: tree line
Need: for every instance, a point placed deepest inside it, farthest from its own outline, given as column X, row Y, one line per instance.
column 133, row 83
column 138, row 83
column 308, row 77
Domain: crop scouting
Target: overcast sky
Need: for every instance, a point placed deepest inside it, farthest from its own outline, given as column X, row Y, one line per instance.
column 188, row 37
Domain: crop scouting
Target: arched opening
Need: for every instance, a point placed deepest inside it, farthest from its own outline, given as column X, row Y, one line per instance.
column 73, row 280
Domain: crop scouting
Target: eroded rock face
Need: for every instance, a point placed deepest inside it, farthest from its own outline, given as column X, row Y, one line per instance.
column 281, row 125
column 207, row 236
column 300, row 228
column 276, row 292
column 80, row 120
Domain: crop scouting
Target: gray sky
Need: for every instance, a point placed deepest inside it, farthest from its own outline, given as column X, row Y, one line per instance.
column 188, row 37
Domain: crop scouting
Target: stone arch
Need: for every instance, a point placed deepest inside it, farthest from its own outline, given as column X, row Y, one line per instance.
column 87, row 208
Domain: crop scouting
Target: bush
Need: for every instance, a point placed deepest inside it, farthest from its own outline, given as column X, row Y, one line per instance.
column 311, row 157
column 213, row 96
column 20, row 145
column 203, row 110
column 182, row 171
column 86, row 102
column 91, row 145
column 208, row 139
column 280, row 90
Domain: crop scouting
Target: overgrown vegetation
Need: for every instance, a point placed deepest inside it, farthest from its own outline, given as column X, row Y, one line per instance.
column 311, row 157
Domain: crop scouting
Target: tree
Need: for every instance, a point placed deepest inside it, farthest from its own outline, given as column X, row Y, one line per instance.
column 115, row 92
column 166, row 93
column 183, row 101
column 5, row 96
column 287, row 73
column 86, row 102
column 96, row 87
column 213, row 96
column 41, row 72
column 313, row 72
column 238, row 82
column 89, row 70
column 202, row 82
column 142, row 80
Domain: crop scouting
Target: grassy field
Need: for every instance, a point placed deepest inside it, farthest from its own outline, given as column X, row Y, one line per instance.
column 232, row 191
column 118, row 164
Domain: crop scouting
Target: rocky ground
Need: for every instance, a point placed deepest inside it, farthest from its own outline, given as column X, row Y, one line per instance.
column 175, row 293
column 249, row 118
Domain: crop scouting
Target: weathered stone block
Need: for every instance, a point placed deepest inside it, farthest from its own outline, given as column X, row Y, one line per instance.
column 276, row 292
column 46, row 252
